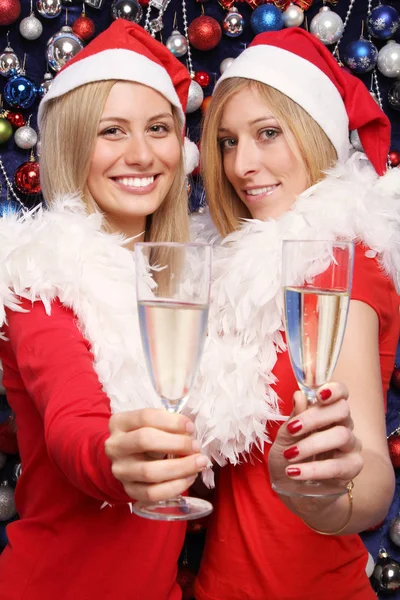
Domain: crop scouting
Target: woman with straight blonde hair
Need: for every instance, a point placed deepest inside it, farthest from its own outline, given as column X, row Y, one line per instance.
column 112, row 171
column 277, row 166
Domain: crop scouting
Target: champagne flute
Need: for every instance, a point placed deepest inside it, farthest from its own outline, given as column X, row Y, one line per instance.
column 173, row 289
column 316, row 309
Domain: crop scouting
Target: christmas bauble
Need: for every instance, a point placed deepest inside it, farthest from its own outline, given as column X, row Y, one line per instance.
column 233, row 23
column 27, row 178
column 61, row 47
column 383, row 22
column 394, row 448
column 94, row 3
column 7, row 503
column 83, row 27
column 204, row 104
column 46, row 84
column 355, row 141
column 16, row 118
column 395, row 380
column 195, row 97
column 369, row 569
column 6, row 130
column 389, row 59
column 20, row 91
column 266, row 18
column 394, row 530
column 327, row 26
column 202, row 78
column 386, row 573
column 293, row 16
column 3, row 460
column 204, row 33
column 394, row 158
column 186, row 579
column 394, row 99
column 8, row 436
column 30, row 28
column 126, row 9
column 360, row 56
column 50, row 9
column 9, row 62
column 225, row 64
column 177, row 44
column 25, row 137
column 9, row 11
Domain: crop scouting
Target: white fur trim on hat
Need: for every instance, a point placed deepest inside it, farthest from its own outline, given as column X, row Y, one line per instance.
column 301, row 81
column 118, row 64
column 191, row 156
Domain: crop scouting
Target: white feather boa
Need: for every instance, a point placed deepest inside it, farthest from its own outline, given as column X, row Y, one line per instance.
column 63, row 253
column 233, row 398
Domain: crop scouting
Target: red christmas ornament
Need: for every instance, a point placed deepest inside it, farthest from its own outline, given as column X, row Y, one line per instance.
column 27, row 178
column 394, row 158
column 202, row 78
column 9, row 11
column 144, row 2
column 204, row 33
column 395, row 381
column 186, row 579
column 17, row 119
column 394, row 447
column 83, row 27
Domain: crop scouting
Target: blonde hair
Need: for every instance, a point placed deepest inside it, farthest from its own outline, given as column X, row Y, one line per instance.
column 304, row 135
column 68, row 135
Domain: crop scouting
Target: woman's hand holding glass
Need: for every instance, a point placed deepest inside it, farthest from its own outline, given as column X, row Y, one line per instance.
column 139, row 440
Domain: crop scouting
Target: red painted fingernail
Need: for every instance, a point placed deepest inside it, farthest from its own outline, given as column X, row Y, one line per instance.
column 294, row 426
column 325, row 394
column 291, row 452
column 293, row 471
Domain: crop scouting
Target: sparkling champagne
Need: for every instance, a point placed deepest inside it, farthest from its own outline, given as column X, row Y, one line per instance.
column 315, row 325
column 173, row 335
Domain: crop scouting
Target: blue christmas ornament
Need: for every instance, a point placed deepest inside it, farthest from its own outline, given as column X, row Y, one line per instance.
column 383, row 22
column 266, row 18
column 20, row 91
column 360, row 56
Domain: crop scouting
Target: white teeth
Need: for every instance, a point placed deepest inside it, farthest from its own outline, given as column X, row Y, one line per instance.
column 262, row 190
column 136, row 182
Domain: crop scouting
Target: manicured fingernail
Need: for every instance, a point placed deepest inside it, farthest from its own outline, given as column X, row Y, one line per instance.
column 291, row 452
column 201, row 462
column 294, row 426
column 196, row 446
column 325, row 394
column 189, row 427
column 293, row 471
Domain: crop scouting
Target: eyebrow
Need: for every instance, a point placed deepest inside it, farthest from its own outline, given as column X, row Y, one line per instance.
column 259, row 120
column 122, row 120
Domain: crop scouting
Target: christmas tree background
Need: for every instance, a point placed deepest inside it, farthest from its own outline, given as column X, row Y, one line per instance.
column 210, row 43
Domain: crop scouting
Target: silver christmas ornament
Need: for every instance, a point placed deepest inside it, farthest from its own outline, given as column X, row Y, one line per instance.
column 46, row 84
column 7, row 503
column 394, row 530
column 225, row 64
column 31, row 28
column 327, row 26
column 177, row 44
column 195, row 98
column 50, row 9
column 369, row 569
column 355, row 141
column 233, row 23
column 293, row 16
column 389, row 59
column 126, row 9
column 9, row 62
column 386, row 573
column 61, row 47
column 25, row 137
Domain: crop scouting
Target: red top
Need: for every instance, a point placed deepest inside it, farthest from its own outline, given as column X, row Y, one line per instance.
column 66, row 547
column 256, row 548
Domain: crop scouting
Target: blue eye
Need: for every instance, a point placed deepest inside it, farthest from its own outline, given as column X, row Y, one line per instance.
column 227, row 143
column 269, row 134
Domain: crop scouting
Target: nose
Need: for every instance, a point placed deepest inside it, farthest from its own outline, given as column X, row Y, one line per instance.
column 246, row 158
column 138, row 151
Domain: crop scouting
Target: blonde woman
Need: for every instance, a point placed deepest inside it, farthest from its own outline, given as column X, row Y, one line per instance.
column 277, row 165
column 112, row 173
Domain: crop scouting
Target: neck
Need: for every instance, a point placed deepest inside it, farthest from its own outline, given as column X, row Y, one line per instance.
column 135, row 229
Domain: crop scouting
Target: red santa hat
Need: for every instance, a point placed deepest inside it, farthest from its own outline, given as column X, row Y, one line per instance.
column 126, row 52
column 297, row 64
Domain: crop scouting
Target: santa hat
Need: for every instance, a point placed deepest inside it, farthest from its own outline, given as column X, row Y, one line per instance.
column 126, row 52
column 297, row 64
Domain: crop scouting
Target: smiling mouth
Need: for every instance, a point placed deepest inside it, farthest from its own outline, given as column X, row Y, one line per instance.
column 261, row 191
column 136, row 183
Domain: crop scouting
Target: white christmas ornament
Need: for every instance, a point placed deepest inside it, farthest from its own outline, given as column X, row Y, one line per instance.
column 225, row 64
column 369, row 569
column 195, row 98
column 293, row 16
column 389, row 59
column 327, row 26
column 31, row 28
column 25, row 137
